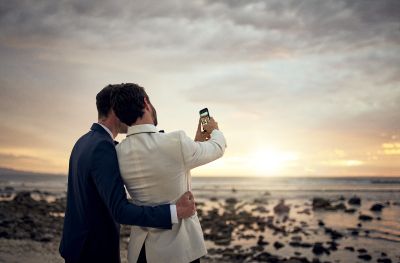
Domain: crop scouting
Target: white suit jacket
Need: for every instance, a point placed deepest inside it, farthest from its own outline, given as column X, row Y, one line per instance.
column 155, row 168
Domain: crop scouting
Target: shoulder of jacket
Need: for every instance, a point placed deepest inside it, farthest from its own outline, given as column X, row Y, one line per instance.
column 103, row 143
column 179, row 135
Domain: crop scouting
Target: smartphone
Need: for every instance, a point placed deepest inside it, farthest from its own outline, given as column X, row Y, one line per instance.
column 204, row 116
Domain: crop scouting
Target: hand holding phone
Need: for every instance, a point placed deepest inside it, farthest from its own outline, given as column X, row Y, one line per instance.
column 210, row 126
column 201, row 136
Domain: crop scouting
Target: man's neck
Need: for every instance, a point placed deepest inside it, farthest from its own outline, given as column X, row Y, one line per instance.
column 109, row 126
column 145, row 120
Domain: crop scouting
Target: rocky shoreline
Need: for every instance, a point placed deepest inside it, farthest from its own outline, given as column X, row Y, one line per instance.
column 235, row 230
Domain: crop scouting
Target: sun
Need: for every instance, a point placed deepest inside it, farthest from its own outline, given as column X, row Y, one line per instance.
column 270, row 161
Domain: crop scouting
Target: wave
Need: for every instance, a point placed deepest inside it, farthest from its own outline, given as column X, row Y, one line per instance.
column 385, row 181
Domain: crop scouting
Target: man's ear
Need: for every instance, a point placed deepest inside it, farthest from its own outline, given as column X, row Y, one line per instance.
column 147, row 104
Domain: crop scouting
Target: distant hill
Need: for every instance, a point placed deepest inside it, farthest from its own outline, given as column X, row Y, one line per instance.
column 27, row 180
column 8, row 171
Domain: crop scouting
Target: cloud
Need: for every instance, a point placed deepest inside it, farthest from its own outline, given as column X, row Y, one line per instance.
column 328, row 66
column 26, row 162
column 249, row 28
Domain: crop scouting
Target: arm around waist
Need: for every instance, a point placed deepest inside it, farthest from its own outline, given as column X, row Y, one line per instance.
column 106, row 176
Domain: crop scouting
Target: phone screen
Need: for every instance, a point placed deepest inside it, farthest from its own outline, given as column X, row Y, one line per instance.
column 204, row 116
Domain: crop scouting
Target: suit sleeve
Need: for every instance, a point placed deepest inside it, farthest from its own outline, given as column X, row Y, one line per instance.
column 107, row 178
column 199, row 153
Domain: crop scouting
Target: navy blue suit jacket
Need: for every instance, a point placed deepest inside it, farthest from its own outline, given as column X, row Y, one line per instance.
column 97, row 204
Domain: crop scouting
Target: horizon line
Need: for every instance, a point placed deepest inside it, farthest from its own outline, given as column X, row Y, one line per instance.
column 222, row 176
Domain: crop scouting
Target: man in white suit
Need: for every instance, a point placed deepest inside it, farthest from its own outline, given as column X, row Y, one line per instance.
column 155, row 168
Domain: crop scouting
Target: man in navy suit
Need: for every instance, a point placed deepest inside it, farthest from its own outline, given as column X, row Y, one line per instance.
column 96, row 198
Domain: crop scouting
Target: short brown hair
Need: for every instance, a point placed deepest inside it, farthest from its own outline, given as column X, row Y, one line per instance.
column 127, row 101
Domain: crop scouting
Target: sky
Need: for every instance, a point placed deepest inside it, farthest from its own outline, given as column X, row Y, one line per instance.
column 299, row 88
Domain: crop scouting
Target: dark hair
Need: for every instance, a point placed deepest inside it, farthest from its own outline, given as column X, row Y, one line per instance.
column 103, row 101
column 128, row 102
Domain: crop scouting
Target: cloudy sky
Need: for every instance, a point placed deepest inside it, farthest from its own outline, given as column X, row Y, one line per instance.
column 298, row 87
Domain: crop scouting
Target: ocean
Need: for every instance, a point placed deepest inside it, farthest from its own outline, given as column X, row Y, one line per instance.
column 370, row 188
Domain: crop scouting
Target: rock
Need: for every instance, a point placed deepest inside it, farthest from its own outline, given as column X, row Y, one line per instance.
column 296, row 238
column 377, row 207
column 354, row 232
column 333, row 245
column 339, row 206
column 321, row 223
column 333, row 233
column 384, row 260
column 9, row 189
column 4, row 234
column 318, row 249
column 214, row 199
column 365, row 217
column 223, row 241
column 362, row 250
column 231, row 201
column 260, row 209
column 266, row 257
column 298, row 244
column 281, row 208
column 350, row 249
column 262, row 200
column 305, row 211
column 350, row 210
column 278, row 245
column 294, row 260
column 365, row 257
column 46, row 237
column 355, row 200
column 23, row 197
column 261, row 241
column 320, row 203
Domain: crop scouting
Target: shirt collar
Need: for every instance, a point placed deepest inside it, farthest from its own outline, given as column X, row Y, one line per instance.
column 142, row 128
column 107, row 130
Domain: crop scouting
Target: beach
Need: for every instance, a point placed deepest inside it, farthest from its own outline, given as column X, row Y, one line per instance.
column 243, row 220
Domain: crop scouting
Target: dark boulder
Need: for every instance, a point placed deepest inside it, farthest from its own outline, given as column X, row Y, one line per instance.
column 281, row 208
column 350, row 210
column 355, row 200
column 231, row 201
column 319, row 249
column 365, row 217
column 261, row 241
column 365, row 257
column 350, row 249
column 377, row 207
column 384, row 260
column 278, row 245
column 23, row 197
column 320, row 203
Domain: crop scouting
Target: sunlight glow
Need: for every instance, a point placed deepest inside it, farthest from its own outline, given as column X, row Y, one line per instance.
column 348, row 163
column 271, row 161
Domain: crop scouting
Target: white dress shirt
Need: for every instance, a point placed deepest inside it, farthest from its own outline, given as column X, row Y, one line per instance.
column 156, row 168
